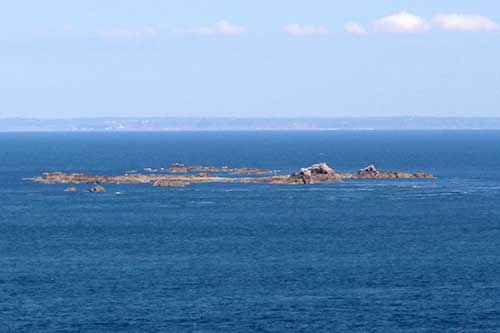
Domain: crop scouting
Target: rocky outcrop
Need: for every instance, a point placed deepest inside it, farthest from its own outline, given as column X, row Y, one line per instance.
column 421, row 174
column 316, row 173
column 250, row 171
column 177, row 168
column 67, row 178
column 81, row 178
column 317, row 169
column 371, row 172
column 97, row 189
column 70, row 189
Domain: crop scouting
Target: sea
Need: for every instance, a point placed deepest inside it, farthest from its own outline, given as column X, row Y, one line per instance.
column 359, row 256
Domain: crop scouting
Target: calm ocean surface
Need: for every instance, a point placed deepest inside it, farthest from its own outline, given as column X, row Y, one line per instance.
column 377, row 256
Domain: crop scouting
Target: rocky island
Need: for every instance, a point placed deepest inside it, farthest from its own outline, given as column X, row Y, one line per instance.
column 179, row 175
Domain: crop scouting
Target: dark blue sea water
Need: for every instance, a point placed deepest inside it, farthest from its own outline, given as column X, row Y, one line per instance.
column 361, row 256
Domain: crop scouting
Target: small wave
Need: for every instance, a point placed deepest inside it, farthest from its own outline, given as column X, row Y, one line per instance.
column 203, row 203
column 236, row 190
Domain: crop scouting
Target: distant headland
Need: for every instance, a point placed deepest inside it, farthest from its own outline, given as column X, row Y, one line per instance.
column 173, row 124
column 179, row 175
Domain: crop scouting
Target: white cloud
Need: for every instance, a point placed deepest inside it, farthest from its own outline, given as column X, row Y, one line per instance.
column 401, row 23
column 126, row 34
column 458, row 22
column 354, row 28
column 305, row 30
column 222, row 27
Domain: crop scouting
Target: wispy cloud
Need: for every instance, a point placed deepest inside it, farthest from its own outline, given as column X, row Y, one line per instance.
column 460, row 22
column 127, row 34
column 354, row 28
column 222, row 27
column 305, row 30
column 401, row 23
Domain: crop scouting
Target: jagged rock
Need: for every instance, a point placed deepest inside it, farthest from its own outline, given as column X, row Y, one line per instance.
column 305, row 172
column 316, row 173
column 317, row 169
column 369, row 171
column 294, row 178
column 97, row 189
column 420, row 174
column 70, row 189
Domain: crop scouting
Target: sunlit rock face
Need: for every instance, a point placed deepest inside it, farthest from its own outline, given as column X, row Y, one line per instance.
column 316, row 173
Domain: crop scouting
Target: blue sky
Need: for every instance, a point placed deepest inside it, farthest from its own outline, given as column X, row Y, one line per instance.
column 317, row 58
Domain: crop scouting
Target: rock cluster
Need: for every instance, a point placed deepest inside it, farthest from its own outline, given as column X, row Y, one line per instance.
column 316, row 173
column 179, row 168
column 317, row 169
column 371, row 172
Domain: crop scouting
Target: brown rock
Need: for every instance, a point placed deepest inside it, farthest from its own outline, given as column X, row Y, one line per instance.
column 97, row 189
column 368, row 172
column 295, row 178
column 317, row 169
column 170, row 183
column 371, row 172
column 305, row 172
column 316, row 173
column 181, row 168
column 420, row 174
column 70, row 189
column 177, row 168
column 203, row 175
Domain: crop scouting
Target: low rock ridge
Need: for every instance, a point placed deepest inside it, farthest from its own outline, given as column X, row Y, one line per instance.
column 179, row 168
column 316, row 173
column 371, row 172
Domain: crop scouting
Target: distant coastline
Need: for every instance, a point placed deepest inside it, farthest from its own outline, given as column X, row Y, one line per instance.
column 178, row 124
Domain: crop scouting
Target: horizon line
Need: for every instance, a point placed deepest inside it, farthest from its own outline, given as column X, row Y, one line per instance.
column 249, row 117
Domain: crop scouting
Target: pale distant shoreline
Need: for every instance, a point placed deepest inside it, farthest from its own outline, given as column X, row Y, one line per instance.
column 177, row 124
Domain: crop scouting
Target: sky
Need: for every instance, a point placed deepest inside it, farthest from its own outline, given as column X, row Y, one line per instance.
column 258, row 58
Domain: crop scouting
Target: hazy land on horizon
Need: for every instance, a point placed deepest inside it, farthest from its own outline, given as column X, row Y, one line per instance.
column 248, row 124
